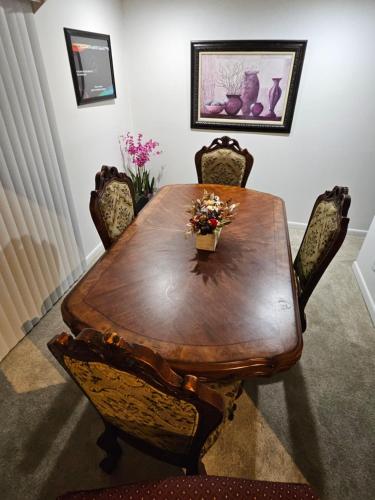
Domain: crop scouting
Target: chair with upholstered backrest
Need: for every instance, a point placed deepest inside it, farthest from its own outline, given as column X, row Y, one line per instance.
column 223, row 162
column 112, row 204
column 141, row 400
column 323, row 237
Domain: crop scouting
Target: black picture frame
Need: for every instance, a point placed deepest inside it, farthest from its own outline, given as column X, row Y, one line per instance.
column 90, row 58
column 222, row 71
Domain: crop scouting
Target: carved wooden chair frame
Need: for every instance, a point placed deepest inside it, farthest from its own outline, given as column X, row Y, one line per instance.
column 91, row 345
column 102, row 178
column 224, row 142
column 340, row 196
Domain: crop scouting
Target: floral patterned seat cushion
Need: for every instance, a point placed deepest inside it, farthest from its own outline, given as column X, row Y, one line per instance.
column 223, row 166
column 136, row 407
column 116, row 208
column 319, row 235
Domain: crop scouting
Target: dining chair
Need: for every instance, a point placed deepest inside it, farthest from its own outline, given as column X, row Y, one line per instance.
column 323, row 237
column 112, row 204
column 141, row 399
column 198, row 488
column 223, row 162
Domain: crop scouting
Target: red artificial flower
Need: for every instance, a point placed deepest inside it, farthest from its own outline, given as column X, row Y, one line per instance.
column 213, row 223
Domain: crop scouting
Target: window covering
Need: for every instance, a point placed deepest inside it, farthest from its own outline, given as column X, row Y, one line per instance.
column 40, row 246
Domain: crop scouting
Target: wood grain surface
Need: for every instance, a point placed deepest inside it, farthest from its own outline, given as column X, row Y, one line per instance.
column 228, row 314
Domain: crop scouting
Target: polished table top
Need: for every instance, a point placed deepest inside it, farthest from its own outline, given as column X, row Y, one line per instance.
column 233, row 312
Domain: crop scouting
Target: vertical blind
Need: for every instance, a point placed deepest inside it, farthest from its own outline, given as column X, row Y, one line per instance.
column 40, row 247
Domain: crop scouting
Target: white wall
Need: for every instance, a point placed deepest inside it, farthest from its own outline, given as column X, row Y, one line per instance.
column 332, row 138
column 364, row 270
column 89, row 134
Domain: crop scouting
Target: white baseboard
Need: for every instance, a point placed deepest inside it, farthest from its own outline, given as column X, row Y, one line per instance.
column 357, row 232
column 297, row 225
column 365, row 291
column 303, row 225
column 94, row 255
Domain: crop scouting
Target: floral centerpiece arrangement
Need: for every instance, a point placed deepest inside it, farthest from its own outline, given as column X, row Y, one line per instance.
column 208, row 216
column 136, row 153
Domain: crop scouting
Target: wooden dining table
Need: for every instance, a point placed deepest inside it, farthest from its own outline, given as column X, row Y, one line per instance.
column 232, row 313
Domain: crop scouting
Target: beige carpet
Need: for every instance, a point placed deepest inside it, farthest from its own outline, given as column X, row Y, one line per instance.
column 314, row 423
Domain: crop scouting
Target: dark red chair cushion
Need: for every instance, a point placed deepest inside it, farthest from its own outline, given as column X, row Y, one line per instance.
column 199, row 488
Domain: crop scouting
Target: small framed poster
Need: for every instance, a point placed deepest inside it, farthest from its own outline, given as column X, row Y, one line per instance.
column 90, row 60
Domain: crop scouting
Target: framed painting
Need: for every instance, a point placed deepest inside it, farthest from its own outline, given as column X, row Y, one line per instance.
column 91, row 65
column 245, row 84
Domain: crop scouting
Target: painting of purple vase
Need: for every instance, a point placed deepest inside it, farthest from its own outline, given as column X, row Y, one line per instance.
column 250, row 91
column 274, row 96
column 233, row 104
column 245, row 84
column 256, row 108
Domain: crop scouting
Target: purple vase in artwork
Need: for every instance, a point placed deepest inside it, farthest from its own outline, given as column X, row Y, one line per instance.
column 274, row 96
column 256, row 108
column 233, row 104
column 250, row 91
